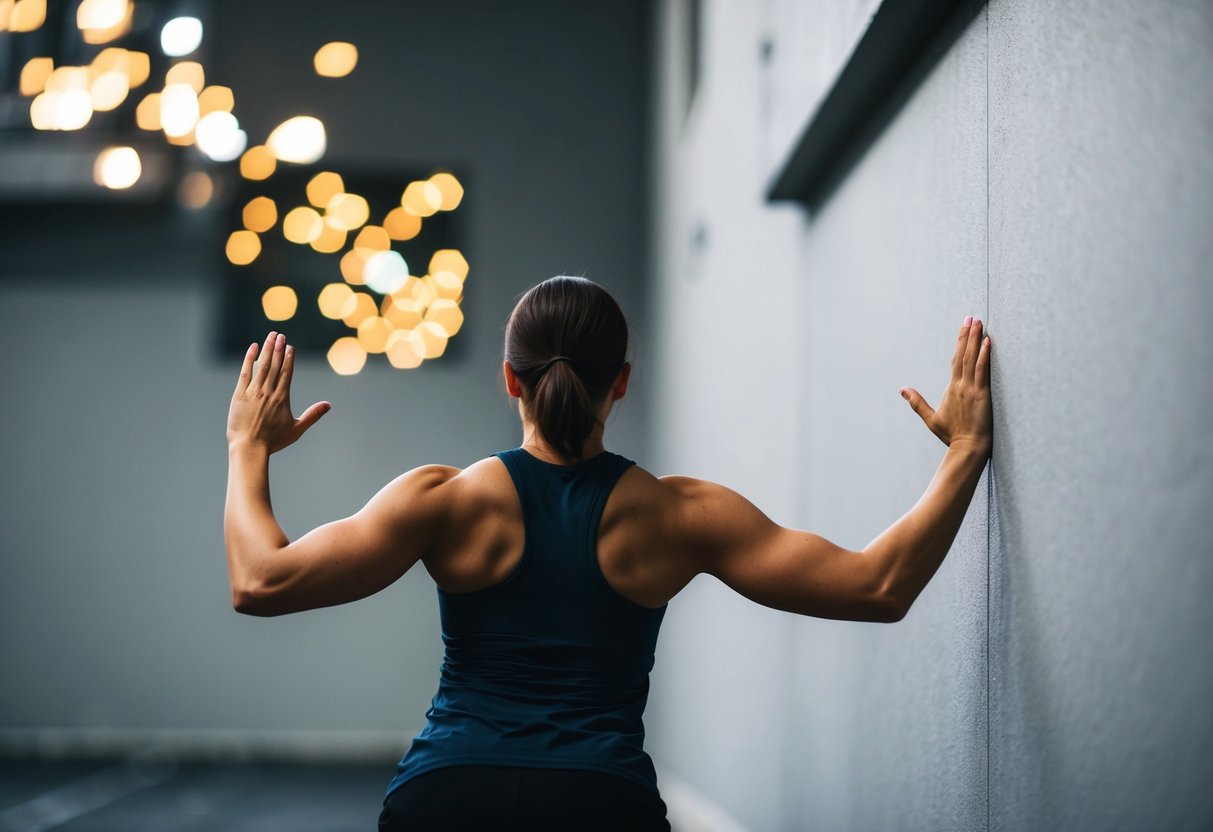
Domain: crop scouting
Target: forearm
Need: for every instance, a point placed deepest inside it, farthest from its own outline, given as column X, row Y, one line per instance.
column 250, row 531
column 910, row 551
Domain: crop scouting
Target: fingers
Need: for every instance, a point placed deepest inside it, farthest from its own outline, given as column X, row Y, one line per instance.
column 283, row 385
column 919, row 405
column 981, row 372
column 275, row 357
column 972, row 347
column 310, row 416
column 246, row 369
column 962, row 341
column 263, row 365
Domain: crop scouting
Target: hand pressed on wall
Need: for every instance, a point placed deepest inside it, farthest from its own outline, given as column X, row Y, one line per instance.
column 261, row 405
column 965, row 413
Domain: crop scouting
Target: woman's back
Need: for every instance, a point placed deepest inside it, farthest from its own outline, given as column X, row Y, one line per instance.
column 546, row 662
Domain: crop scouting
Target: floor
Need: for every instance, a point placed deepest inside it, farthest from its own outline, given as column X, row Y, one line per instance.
column 127, row 796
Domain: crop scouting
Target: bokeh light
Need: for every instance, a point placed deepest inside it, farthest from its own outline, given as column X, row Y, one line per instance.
column 404, row 350
column 373, row 333
column 346, row 356
column 402, row 312
column 364, row 307
column 302, row 225
column 117, row 167
column 147, row 114
column 34, row 75
column 330, row 241
column 242, row 247
column 257, row 163
column 336, row 301
column 450, row 189
column 178, row 110
column 371, row 239
column 347, row 211
column 195, row 189
column 401, row 225
column 219, row 136
column 449, row 260
column 214, row 99
column 385, row 272
column 336, row 59
column 259, row 214
column 323, row 187
column 423, row 199
column 299, row 140
column 26, row 15
column 446, row 314
column 181, row 36
column 353, row 264
column 279, row 303
column 186, row 72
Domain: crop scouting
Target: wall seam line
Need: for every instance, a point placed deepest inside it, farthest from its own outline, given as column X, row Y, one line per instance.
column 990, row 466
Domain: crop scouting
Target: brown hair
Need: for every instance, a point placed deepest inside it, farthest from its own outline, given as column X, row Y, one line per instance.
column 577, row 322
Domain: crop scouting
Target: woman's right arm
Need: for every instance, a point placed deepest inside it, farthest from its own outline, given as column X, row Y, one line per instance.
column 797, row 571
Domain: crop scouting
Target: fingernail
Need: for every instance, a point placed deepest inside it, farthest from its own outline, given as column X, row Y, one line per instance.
column 905, row 394
column 969, row 320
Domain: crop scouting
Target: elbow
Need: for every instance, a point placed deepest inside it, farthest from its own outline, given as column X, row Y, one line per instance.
column 889, row 610
column 250, row 600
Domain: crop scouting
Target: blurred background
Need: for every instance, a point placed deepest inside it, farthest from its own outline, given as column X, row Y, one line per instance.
column 796, row 202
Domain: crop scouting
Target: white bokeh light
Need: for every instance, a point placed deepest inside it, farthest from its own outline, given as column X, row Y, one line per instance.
column 300, row 140
column 181, row 36
column 117, row 167
column 219, row 136
column 385, row 272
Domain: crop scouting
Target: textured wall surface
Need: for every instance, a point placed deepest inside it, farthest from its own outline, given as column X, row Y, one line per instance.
column 1051, row 175
column 1101, row 287
column 114, row 605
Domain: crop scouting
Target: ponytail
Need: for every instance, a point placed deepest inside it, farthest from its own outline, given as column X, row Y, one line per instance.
column 566, row 341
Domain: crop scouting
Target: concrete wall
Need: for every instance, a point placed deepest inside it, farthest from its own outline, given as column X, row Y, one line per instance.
column 114, row 606
column 1050, row 175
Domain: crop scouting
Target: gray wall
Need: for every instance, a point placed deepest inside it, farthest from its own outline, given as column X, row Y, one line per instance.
column 1052, row 176
column 114, row 606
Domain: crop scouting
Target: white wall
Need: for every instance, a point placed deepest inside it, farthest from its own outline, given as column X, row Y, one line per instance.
column 1051, row 176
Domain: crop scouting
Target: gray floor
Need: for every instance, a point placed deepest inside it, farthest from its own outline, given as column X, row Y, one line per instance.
column 123, row 796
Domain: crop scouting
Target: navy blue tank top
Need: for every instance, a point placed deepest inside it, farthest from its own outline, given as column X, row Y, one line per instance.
column 550, row 667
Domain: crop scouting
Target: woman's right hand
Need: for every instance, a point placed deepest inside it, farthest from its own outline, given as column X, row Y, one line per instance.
column 965, row 414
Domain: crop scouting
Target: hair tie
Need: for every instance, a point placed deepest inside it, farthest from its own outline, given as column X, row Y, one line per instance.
column 554, row 359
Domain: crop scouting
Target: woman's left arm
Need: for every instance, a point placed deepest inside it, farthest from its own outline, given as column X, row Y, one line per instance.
column 338, row 562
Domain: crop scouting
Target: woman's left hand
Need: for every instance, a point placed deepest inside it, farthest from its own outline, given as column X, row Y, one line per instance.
column 261, row 406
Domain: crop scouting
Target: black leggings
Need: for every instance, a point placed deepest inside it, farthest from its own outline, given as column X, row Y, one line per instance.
column 499, row 798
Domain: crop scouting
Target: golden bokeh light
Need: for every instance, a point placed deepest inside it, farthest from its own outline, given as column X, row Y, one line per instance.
column 422, row 292
column 432, row 337
column 364, row 307
column 138, row 67
column 258, row 163
column 372, row 238
column 260, row 214
column 26, row 15
column 108, row 90
column 186, row 72
column 403, row 312
column 323, row 187
column 184, row 140
column 401, row 225
column 373, row 333
column 352, row 266
column 449, row 260
column 330, row 241
column 445, row 285
column 215, row 99
column 403, row 350
column 336, row 300
column 242, row 247
column 279, row 303
column 336, row 59
column 346, row 356
column 178, row 110
column 65, row 78
column 101, row 21
column 195, row 189
column 347, row 211
column 34, row 75
column 302, row 225
column 446, row 314
column 450, row 189
column 421, row 198
column 147, row 114
column 117, row 167
column 299, row 140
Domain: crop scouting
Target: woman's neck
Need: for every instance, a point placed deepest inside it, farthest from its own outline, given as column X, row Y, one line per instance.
column 533, row 442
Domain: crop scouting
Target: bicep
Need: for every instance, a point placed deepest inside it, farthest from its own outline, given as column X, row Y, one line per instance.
column 356, row 556
column 782, row 568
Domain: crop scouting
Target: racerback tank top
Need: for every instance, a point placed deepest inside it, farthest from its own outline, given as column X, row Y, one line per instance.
column 550, row 667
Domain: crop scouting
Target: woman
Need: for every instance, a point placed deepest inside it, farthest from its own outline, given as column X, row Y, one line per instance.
column 554, row 563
